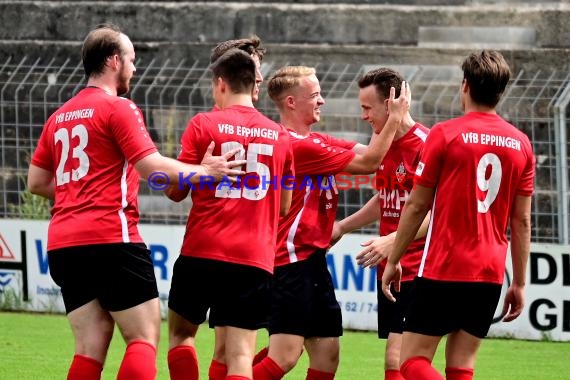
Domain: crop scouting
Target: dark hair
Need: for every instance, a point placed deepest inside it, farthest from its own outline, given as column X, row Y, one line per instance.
column 382, row 78
column 250, row 45
column 487, row 74
column 237, row 69
column 102, row 42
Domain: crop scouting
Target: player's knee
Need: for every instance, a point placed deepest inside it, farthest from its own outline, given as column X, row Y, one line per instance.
column 392, row 359
column 325, row 359
column 287, row 359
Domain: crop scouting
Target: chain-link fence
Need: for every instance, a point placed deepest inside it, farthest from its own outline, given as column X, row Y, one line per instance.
column 169, row 93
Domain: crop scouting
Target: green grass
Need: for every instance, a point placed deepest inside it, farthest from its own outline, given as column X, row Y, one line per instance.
column 39, row 346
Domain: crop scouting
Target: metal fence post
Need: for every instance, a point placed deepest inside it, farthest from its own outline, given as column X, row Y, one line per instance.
column 560, row 139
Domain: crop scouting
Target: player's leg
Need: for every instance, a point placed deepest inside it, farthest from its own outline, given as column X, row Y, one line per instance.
column 240, row 348
column 430, row 316
column 283, row 353
column 478, row 306
column 130, row 294
column 239, row 309
column 324, row 356
column 140, row 328
column 392, row 357
column 188, row 303
column 92, row 329
column 391, row 326
column 460, row 354
column 290, row 308
column 182, row 357
column 218, row 367
column 416, row 356
column 74, row 269
column 325, row 323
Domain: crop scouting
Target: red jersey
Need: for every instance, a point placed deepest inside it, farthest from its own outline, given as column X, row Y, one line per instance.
column 91, row 144
column 237, row 223
column 394, row 181
column 308, row 225
column 478, row 164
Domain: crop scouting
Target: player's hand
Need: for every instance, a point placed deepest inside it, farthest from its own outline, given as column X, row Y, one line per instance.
column 392, row 273
column 219, row 167
column 514, row 303
column 375, row 251
column 398, row 107
column 336, row 234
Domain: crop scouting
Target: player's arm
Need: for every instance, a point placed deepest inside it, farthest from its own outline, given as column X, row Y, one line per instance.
column 520, row 251
column 217, row 167
column 41, row 182
column 368, row 214
column 417, row 206
column 379, row 248
column 368, row 162
column 361, row 148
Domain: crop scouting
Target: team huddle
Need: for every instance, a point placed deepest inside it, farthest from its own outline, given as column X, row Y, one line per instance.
column 254, row 257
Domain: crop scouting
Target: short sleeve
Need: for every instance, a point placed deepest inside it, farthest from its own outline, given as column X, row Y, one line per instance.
column 289, row 168
column 43, row 155
column 191, row 144
column 526, row 183
column 314, row 156
column 431, row 158
column 129, row 130
column 346, row 144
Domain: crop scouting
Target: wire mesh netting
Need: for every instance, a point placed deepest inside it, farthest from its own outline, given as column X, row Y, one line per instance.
column 170, row 93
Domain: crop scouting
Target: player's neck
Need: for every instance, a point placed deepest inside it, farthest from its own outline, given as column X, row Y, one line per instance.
column 290, row 122
column 237, row 100
column 103, row 85
column 471, row 106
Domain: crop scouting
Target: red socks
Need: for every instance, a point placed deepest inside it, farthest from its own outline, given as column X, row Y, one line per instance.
column 217, row 371
column 84, row 368
column 458, row 373
column 260, row 355
column 393, row 374
column 183, row 363
column 139, row 362
column 313, row 374
column 267, row 369
column 419, row 368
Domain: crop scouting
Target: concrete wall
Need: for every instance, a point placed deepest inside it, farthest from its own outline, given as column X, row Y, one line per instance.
column 294, row 33
column 276, row 23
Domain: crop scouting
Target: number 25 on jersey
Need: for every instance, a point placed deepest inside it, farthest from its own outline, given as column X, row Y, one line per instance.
column 252, row 166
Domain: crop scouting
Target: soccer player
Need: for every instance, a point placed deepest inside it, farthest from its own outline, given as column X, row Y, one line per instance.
column 87, row 160
column 476, row 174
column 227, row 256
column 253, row 46
column 394, row 181
column 304, row 309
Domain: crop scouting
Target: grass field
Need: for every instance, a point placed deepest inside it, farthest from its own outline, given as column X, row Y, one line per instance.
column 38, row 347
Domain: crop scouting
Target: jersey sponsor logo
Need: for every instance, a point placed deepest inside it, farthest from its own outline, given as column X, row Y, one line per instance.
column 5, row 251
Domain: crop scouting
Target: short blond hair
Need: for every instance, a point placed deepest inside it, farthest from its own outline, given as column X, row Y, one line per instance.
column 285, row 79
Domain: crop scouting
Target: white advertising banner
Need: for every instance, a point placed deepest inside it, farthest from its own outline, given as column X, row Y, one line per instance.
column 25, row 283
